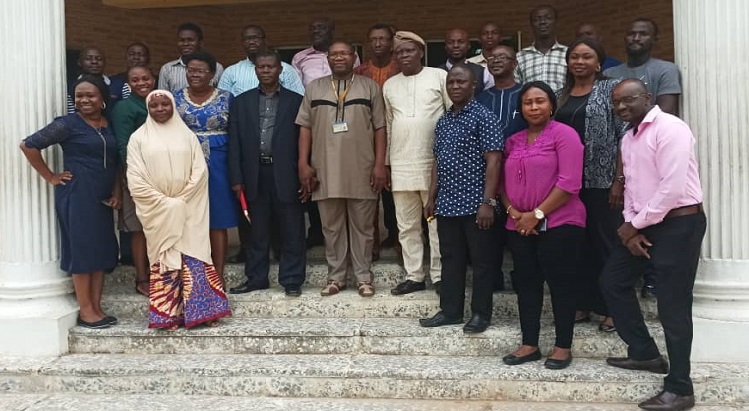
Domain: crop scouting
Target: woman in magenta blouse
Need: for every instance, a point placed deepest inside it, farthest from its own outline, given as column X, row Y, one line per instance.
column 542, row 180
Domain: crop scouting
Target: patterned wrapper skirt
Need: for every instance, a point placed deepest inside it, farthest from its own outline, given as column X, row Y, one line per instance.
column 190, row 296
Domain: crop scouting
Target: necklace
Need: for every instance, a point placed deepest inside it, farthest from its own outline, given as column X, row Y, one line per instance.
column 101, row 136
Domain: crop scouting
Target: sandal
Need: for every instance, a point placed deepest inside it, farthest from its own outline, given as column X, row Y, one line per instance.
column 366, row 290
column 213, row 323
column 332, row 288
column 138, row 291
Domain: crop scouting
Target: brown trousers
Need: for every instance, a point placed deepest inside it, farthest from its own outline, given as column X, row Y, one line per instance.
column 347, row 225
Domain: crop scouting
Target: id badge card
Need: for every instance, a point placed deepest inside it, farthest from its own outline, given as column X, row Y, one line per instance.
column 340, row 127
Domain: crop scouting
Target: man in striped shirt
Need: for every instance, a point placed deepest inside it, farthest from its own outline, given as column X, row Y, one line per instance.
column 241, row 76
column 173, row 75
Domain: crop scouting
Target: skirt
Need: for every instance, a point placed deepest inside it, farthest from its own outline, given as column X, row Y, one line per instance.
column 190, row 296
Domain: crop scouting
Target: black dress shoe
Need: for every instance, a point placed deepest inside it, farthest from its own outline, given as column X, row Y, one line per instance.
column 657, row 365
column 511, row 359
column 314, row 241
column 112, row 320
column 293, row 291
column 648, row 291
column 553, row 364
column 438, row 287
column 668, row 401
column 477, row 324
column 97, row 325
column 237, row 258
column 439, row 320
column 246, row 287
column 408, row 287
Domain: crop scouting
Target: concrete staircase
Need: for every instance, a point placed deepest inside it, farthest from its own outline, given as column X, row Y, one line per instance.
column 336, row 353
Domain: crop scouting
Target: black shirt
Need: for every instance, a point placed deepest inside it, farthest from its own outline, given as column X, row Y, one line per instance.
column 572, row 113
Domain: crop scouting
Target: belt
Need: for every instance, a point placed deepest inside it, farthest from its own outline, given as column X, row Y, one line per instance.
column 266, row 160
column 686, row 210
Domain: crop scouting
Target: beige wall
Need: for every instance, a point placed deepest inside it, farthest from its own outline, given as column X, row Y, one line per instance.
column 89, row 22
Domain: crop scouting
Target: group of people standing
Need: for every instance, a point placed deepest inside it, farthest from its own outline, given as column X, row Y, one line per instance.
column 572, row 166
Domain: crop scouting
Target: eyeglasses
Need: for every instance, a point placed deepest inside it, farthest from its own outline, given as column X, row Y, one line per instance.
column 198, row 71
column 628, row 99
column 500, row 57
column 343, row 54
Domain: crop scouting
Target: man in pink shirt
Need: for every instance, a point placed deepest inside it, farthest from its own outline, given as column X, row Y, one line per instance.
column 312, row 63
column 665, row 224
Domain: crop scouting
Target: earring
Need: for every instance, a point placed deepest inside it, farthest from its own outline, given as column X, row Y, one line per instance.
column 103, row 106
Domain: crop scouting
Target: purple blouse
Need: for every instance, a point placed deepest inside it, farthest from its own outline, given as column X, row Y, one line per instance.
column 555, row 159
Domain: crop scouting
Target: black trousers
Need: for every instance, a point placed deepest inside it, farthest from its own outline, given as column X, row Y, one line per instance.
column 267, row 210
column 315, row 225
column 673, row 259
column 500, row 239
column 601, row 239
column 460, row 239
column 388, row 208
column 553, row 257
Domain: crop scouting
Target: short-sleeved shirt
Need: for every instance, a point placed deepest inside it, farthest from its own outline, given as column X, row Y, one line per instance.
column 461, row 141
column 343, row 160
column 551, row 68
column 173, row 75
column 554, row 159
column 660, row 77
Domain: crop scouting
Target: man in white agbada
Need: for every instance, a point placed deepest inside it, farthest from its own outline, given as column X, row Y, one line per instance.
column 168, row 179
column 414, row 101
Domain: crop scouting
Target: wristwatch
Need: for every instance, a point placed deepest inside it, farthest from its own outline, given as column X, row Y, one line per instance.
column 539, row 214
column 489, row 201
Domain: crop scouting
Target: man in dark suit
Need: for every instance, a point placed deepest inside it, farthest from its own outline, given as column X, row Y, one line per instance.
column 263, row 155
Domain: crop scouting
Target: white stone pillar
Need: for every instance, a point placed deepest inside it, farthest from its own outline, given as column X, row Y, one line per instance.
column 36, row 307
column 712, row 43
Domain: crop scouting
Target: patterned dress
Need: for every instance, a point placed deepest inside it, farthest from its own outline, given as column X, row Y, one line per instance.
column 189, row 297
column 210, row 121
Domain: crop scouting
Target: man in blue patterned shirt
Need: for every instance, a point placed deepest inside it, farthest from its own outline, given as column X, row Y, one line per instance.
column 462, row 194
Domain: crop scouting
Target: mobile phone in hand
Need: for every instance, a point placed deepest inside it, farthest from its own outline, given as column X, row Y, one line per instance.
column 541, row 226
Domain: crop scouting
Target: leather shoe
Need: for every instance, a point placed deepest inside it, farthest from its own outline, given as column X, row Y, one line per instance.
column 477, row 324
column 408, row 287
column 668, row 401
column 237, row 258
column 648, row 291
column 657, row 365
column 439, row 320
column 554, row 364
column 293, row 291
column 511, row 359
column 438, row 287
column 246, row 287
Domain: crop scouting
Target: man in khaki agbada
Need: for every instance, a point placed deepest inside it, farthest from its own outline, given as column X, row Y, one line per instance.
column 342, row 145
column 414, row 100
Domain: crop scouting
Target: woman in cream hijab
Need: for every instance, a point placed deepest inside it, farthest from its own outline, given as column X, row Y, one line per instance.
column 168, row 179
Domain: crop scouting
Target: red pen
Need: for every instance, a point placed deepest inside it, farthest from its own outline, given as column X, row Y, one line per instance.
column 243, row 204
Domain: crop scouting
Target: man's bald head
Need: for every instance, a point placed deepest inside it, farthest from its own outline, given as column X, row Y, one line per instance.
column 631, row 101
column 632, row 84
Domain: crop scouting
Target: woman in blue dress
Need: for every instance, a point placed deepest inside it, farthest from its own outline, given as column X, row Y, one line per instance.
column 205, row 110
column 86, row 193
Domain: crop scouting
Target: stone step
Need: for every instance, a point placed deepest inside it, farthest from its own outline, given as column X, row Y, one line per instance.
column 386, row 336
column 122, row 302
column 359, row 376
column 129, row 402
column 387, row 272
